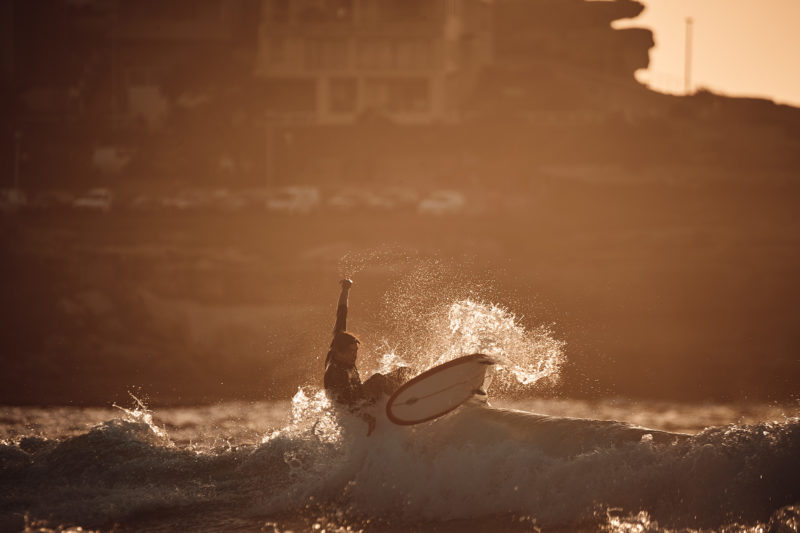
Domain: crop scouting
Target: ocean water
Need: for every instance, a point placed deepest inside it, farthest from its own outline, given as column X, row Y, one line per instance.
column 301, row 466
column 305, row 465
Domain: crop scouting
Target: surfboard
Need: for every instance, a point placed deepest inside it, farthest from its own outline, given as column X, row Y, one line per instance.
column 439, row 390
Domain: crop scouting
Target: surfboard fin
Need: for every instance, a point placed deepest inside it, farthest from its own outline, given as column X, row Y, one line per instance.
column 480, row 396
column 486, row 359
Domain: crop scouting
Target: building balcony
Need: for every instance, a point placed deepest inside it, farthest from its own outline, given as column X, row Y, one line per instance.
column 214, row 31
column 353, row 29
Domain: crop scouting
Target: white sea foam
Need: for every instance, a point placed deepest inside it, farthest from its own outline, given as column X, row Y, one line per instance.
column 475, row 464
column 468, row 326
column 469, row 466
column 560, row 472
column 472, row 465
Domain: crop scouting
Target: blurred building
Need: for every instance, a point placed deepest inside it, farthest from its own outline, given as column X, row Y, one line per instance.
column 128, row 58
column 407, row 61
column 89, row 75
column 337, row 93
column 179, row 53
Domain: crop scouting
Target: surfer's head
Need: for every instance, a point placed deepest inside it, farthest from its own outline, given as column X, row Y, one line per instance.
column 345, row 347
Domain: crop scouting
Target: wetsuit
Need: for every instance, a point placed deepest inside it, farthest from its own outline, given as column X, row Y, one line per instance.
column 341, row 380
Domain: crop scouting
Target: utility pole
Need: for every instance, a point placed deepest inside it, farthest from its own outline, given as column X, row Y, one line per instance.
column 269, row 152
column 687, row 74
column 115, row 8
column 17, row 157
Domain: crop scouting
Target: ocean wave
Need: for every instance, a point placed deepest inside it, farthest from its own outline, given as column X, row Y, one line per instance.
column 476, row 464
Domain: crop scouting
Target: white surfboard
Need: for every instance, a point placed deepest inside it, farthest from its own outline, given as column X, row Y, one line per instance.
column 439, row 390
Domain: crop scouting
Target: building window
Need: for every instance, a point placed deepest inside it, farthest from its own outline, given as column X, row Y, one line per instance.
column 291, row 95
column 168, row 11
column 325, row 10
column 326, row 54
column 392, row 11
column 279, row 11
column 276, row 50
column 398, row 95
column 453, row 8
column 343, row 95
column 412, row 53
column 411, row 10
column 399, row 53
column 375, row 54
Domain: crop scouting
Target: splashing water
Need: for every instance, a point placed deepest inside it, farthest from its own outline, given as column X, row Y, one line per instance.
column 387, row 258
column 311, row 414
column 465, row 472
column 141, row 414
column 468, row 326
column 525, row 357
column 314, row 454
column 784, row 519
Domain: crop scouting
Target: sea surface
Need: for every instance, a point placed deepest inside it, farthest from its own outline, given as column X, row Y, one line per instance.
column 300, row 466
column 614, row 465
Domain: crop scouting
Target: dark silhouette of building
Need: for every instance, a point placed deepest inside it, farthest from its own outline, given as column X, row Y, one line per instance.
column 127, row 58
column 410, row 61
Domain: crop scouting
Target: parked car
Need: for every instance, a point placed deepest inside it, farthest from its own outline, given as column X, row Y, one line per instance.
column 254, row 199
column 372, row 201
column 143, row 202
column 401, row 198
column 346, row 200
column 293, row 200
column 52, row 199
column 187, row 199
column 379, row 201
column 96, row 199
column 225, row 200
column 443, row 202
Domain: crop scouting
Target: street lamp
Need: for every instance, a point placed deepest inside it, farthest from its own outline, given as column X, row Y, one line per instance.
column 17, row 157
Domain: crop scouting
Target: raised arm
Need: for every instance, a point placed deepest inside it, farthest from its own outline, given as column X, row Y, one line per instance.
column 341, row 307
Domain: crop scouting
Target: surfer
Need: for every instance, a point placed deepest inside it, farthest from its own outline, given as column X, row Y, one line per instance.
column 341, row 381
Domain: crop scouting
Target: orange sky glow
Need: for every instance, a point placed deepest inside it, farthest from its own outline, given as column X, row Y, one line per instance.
column 741, row 47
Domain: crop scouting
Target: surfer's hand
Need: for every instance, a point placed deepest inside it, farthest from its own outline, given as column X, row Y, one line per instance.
column 346, row 283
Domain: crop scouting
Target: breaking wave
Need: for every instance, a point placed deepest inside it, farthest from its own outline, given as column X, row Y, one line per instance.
column 477, row 468
column 477, row 464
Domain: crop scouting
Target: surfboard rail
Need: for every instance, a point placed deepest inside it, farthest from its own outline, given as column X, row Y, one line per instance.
column 433, row 392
